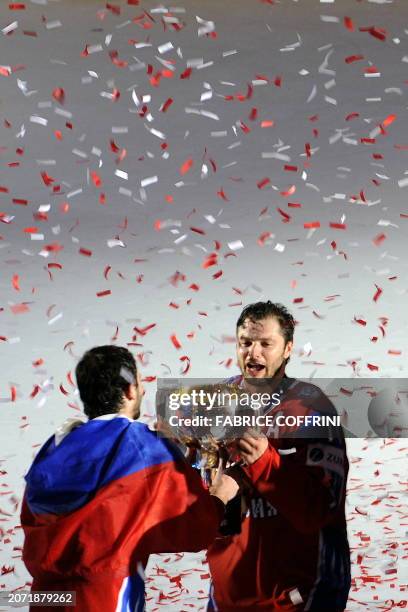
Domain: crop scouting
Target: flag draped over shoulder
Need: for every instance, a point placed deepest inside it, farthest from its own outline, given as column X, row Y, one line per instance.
column 98, row 503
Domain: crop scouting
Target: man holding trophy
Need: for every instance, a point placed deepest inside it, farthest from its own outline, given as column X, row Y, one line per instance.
column 291, row 552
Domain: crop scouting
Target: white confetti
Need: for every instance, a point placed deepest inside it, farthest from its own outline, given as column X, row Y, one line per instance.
column 236, row 245
column 10, row 28
column 149, row 181
column 50, row 25
column 164, row 48
column 403, row 182
column 121, row 174
column 114, row 242
column 39, row 120
column 55, row 319
column 206, row 26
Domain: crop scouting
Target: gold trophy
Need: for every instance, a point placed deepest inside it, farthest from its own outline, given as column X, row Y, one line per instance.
column 208, row 447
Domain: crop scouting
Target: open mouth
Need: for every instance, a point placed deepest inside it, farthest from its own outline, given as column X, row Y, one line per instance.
column 255, row 369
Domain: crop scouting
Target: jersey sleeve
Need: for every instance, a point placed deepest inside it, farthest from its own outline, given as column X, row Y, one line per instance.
column 184, row 516
column 305, row 483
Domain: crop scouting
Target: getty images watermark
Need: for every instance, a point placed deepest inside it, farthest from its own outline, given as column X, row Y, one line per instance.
column 318, row 408
column 222, row 409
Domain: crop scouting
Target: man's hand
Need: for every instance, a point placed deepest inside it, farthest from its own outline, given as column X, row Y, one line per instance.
column 225, row 488
column 252, row 446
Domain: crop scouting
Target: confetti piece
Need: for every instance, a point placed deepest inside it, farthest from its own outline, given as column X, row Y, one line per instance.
column 379, row 239
column 16, row 282
column 96, row 179
column 348, row 22
column 59, row 95
column 312, row 225
column 176, row 343
column 186, row 166
column 290, row 191
column 187, row 364
column 377, row 293
column 353, row 58
column 103, row 293
column 19, row 308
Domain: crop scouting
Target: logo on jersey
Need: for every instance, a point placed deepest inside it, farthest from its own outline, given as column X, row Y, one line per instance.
column 327, row 457
column 258, row 507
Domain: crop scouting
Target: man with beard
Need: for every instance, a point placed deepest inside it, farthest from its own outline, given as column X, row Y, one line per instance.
column 104, row 494
column 291, row 553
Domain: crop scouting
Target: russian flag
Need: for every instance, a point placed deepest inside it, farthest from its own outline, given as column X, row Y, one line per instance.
column 99, row 502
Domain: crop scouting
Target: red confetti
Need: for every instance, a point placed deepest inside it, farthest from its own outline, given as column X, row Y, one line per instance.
column 388, row 120
column 221, row 194
column 186, row 360
column 244, row 127
column 114, row 8
column 16, row 282
column 103, row 293
column 186, row 74
column 263, row 183
column 35, row 391
column 353, row 58
column 166, row 105
column 59, row 95
column 85, row 252
column 286, row 217
column 143, row 330
column 64, row 391
column 311, row 225
column 198, row 230
column 186, row 166
column 377, row 293
column 210, row 260
column 13, row 394
column 263, row 238
column 372, row 367
column 348, row 22
column 375, row 32
column 149, row 379
column 175, row 341
column 19, row 308
column 379, row 239
column 96, row 179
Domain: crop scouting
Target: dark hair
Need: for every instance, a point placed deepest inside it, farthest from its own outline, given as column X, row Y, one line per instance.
column 263, row 310
column 103, row 374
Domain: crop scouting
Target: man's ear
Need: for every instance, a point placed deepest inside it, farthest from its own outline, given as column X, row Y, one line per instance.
column 131, row 391
column 288, row 349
